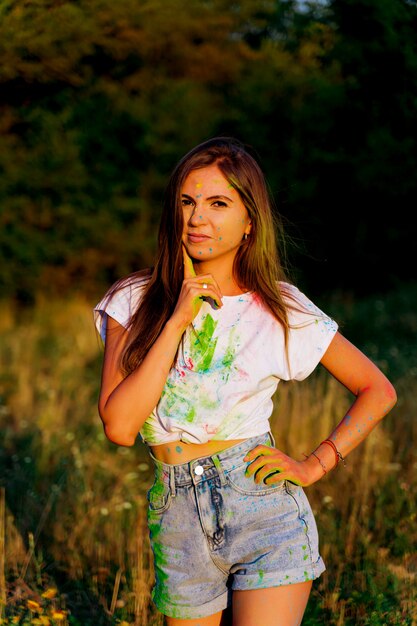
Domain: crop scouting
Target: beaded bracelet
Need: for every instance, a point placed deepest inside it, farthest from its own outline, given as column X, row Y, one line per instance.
column 319, row 460
column 337, row 454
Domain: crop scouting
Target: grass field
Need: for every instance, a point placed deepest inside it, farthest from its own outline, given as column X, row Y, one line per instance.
column 73, row 541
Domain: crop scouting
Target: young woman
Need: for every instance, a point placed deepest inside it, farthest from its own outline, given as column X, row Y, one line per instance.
column 194, row 349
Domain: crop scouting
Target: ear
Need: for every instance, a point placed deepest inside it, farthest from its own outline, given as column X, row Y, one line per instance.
column 248, row 227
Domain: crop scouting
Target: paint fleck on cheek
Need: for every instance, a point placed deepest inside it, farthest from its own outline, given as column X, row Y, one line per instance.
column 178, row 449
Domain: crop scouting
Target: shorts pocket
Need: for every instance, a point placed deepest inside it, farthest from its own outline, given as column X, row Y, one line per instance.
column 159, row 496
column 246, row 485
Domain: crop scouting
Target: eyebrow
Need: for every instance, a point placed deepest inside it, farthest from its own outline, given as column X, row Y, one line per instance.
column 185, row 195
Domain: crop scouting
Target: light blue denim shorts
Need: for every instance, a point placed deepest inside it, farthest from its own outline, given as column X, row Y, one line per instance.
column 214, row 530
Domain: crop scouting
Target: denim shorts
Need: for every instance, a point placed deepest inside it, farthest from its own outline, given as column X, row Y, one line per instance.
column 214, row 530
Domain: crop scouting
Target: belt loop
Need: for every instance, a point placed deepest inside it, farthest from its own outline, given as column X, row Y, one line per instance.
column 172, row 480
column 219, row 469
column 271, row 436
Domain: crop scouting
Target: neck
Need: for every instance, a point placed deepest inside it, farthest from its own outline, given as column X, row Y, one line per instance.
column 223, row 276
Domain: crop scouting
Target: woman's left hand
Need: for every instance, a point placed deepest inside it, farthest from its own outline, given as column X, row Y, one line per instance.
column 270, row 465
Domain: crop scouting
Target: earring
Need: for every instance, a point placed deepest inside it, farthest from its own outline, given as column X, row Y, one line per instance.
column 245, row 236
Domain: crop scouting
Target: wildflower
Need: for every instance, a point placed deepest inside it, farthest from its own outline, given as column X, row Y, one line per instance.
column 40, row 621
column 33, row 606
column 50, row 593
column 58, row 615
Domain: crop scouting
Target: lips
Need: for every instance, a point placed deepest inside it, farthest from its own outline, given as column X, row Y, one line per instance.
column 197, row 237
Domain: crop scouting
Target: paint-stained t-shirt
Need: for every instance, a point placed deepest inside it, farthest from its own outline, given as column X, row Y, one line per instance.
column 229, row 364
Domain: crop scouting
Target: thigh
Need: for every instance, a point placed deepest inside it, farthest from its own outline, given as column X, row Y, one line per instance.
column 273, row 606
column 222, row 618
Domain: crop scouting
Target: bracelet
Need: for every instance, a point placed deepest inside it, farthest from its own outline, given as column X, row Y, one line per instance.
column 318, row 459
column 337, row 454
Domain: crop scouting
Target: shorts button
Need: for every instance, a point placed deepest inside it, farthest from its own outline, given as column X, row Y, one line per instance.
column 199, row 469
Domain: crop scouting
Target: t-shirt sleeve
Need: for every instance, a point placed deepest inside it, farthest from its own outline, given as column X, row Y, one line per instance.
column 310, row 334
column 121, row 305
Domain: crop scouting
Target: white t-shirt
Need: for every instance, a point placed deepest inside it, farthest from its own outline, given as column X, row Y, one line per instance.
column 229, row 366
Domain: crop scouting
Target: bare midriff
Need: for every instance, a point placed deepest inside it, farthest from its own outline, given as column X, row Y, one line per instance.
column 176, row 452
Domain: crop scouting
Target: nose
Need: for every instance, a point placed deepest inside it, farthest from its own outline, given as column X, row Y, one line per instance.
column 197, row 216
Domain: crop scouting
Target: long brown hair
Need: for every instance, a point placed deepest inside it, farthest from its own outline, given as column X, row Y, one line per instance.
column 258, row 266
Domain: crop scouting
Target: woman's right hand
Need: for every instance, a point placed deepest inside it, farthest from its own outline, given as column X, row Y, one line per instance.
column 192, row 293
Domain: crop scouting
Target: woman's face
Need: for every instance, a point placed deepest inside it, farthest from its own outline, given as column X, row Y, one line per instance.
column 215, row 218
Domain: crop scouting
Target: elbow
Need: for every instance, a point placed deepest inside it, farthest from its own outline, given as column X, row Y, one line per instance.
column 115, row 435
column 391, row 396
column 388, row 398
column 114, row 431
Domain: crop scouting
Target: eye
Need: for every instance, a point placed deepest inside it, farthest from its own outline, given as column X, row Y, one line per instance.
column 219, row 203
column 186, row 202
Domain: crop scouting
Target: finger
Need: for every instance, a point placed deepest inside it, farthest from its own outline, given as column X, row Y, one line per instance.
column 207, row 286
column 261, row 449
column 212, row 295
column 189, row 271
column 258, row 463
column 272, row 471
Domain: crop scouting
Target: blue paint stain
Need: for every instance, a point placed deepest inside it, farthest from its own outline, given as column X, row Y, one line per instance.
column 178, row 449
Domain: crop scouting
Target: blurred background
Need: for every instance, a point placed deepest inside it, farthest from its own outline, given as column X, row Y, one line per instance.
column 98, row 101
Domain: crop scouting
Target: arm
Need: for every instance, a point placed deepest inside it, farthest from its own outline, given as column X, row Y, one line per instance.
column 375, row 397
column 126, row 402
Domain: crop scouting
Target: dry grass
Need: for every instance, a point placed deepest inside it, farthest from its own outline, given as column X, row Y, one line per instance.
column 73, row 541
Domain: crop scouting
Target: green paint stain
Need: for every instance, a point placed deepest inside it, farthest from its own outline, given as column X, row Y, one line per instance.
column 261, row 574
column 202, row 350
column 158, row 549
column 190, row 415
column 178, row 449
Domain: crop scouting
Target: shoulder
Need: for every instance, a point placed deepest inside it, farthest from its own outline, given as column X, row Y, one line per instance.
column 122, row 300
column 299, row 306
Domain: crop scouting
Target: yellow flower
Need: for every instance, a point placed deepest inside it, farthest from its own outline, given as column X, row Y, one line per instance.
column 33, row 606
column 58, row 615
column 50, row 593
column 124, row 624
